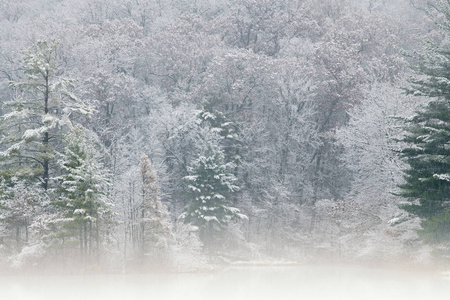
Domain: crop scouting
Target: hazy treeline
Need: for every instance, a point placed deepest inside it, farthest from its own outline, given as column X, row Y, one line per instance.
column 160, row 133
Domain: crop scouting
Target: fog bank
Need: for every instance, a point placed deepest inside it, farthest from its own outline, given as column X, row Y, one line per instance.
column 299, row 282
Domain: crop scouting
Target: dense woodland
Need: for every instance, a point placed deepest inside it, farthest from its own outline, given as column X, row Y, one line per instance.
column 149, row 134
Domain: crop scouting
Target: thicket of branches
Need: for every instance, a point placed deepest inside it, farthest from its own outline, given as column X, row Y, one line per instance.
column 158, row 134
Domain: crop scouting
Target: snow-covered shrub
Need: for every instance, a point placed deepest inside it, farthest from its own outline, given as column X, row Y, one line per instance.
column 3, row 257
column 187, row 248
column 30, row 256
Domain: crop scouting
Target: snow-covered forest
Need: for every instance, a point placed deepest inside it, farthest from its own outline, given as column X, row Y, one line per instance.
column 140, row 135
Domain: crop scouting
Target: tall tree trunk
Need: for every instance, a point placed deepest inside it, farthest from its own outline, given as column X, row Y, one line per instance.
column 90, row 239
column 18, row 243
column 143, row 234
column 46, row 139
column 81, row 240
column 85, row 233
column 97, row 239
column 26, row 231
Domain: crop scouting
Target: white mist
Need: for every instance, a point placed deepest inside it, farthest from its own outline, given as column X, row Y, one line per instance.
column 261, row 283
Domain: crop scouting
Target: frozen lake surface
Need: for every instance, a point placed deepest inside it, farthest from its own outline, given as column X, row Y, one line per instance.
column 300, row 282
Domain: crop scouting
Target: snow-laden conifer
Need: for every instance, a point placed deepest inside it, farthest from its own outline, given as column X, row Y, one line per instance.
column 156, row 229
column 44, row 103
column 83, row 202
column 427, row 150
column 211, row 184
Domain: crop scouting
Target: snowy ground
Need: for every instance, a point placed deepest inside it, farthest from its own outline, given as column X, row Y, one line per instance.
column 243, row 282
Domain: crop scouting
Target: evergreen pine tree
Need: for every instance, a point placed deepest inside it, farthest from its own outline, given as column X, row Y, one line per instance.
column 212, row 185
column 31, row 129
column 428, row 155
column 427, row 150
column 32, row 132
column 427, row 180
column 227, row 131
column 83, row 202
